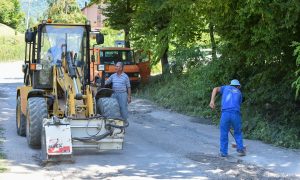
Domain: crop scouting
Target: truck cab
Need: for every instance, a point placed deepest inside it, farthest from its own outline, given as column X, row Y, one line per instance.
column 109, row 56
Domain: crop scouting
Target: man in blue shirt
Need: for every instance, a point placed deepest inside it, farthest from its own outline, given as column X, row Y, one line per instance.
column 56, row 51
column 122, row 89
column 231, row 115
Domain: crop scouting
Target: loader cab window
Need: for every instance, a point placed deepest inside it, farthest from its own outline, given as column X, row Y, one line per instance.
column 55, row 42
column 59, row 40
column 113, row 56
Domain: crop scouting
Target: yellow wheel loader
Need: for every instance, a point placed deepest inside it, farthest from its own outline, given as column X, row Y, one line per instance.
column 57, row 108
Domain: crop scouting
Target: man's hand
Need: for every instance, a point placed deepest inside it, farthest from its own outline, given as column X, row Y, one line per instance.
column 213, row 96
column 212, row 105
column 129, row 99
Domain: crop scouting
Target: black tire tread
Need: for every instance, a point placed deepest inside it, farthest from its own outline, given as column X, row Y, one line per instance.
column 21, row 129
column 109, row 107
column 36, row 112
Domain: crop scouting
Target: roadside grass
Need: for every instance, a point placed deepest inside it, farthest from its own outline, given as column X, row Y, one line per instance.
column 12, row 48
column 176, row 93
column 12, row 45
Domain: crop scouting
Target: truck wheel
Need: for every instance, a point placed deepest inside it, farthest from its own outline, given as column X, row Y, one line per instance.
column 20, row 119
column 109, row 107
column 36, row 112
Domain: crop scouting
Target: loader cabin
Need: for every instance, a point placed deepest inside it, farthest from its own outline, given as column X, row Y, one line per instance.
column 51, row 41
column 105, row 59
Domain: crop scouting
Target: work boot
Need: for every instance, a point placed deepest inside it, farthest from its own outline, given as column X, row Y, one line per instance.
column 241, row 152
column 222, row 155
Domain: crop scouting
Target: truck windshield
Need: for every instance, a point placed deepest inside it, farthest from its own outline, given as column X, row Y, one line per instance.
column 56, row 40
column 113, row 56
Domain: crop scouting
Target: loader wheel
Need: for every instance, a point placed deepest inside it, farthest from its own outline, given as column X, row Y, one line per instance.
column 20, row 119
column 109, row 107
column 36, row 112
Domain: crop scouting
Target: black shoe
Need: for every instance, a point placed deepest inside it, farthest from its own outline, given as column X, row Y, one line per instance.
column 222, row 155
column 241, row 152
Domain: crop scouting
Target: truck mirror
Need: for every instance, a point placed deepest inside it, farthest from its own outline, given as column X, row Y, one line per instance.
column 99, row 38
column 29, row 36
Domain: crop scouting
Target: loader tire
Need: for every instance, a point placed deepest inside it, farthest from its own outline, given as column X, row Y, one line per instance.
column 36, row 112
column 20, row 119
column 109, row 107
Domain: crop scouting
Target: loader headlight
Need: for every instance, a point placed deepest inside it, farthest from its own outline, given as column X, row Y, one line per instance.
column 39, row 67
column 36, row 67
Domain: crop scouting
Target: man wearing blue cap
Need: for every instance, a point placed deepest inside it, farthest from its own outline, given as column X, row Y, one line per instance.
column 231, row 115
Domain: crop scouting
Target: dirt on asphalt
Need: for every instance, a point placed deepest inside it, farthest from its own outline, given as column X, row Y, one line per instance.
column 159, row 144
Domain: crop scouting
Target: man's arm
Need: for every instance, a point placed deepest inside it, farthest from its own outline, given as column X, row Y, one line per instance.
column 108, row 81
column 213, row 97
column 129, row 95
column 128, row 86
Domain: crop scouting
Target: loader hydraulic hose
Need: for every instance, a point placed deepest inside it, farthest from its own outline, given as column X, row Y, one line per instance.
column 94, row 138
column 72, row 73
column 126, row 123
column 109, row 127
column 71, row 66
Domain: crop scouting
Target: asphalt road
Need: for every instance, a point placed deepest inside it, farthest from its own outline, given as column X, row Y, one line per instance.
column 159, row 144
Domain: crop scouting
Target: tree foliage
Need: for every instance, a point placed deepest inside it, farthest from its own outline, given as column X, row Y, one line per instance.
column 10, row 13
column 119, row 13
column 159, row 25
column 62, row 11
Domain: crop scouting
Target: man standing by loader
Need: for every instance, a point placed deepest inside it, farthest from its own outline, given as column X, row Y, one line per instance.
column 122, row 89
column 231, row 115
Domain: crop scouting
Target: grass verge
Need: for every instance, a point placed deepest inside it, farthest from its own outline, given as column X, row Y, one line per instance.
column 12, row 48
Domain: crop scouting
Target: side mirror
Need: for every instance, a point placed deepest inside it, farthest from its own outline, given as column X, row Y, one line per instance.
column 29, row 36
column 99, row 38
column 24, row 68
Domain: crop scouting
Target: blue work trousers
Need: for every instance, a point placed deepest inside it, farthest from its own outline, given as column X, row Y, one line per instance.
column 230, row 119
column 123, row 103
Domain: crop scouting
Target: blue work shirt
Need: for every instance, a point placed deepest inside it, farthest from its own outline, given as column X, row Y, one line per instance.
column 120, row 83
column 231, row 98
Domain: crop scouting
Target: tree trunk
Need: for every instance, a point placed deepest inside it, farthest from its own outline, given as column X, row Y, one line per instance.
column 213, row 42
column 165, row 62
column 127, row 42
column 126, row 30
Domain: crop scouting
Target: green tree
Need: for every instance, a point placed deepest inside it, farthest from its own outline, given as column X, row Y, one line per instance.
column 65, row 11
column 119, row 13
column 160, row 25
column 10, row 13
column 257, row 48
column 151, row 29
